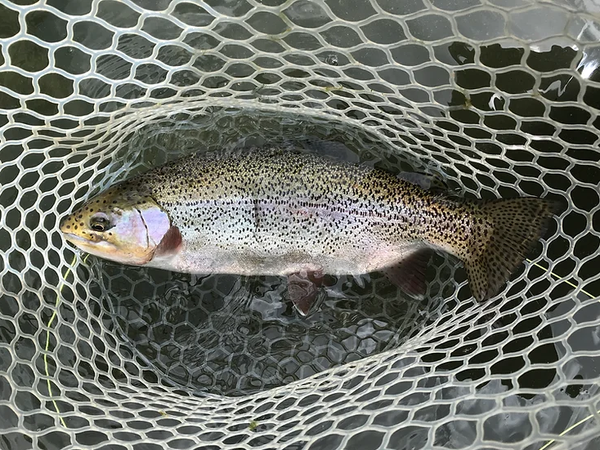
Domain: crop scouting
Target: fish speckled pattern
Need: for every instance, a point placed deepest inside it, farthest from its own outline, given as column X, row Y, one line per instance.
column 275, row 212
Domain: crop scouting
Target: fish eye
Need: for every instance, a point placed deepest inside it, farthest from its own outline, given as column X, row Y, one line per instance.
column 100, row 222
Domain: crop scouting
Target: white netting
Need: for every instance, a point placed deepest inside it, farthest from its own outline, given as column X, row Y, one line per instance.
column 495, row 97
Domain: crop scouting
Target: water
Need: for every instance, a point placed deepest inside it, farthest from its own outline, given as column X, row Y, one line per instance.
column 230, row 335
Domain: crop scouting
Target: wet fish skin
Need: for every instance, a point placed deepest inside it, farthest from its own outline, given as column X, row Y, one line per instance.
column 274, row 212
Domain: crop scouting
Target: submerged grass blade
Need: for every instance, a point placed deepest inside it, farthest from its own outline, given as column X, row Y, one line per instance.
column 49, row 325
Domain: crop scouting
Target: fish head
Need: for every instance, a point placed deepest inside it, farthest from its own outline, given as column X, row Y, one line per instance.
column 120, row 224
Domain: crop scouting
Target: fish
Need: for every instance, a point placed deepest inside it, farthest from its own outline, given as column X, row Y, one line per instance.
column 271, row 211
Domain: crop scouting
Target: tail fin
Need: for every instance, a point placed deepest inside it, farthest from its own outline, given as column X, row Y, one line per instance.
column 517, row 226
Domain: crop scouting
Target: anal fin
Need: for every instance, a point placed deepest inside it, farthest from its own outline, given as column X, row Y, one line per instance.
column 303, row 289
column 409, row 274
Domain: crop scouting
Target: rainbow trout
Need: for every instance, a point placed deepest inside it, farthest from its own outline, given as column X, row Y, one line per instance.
column 274, row 212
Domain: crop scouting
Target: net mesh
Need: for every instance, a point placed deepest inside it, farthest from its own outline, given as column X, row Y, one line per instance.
column 495, row 98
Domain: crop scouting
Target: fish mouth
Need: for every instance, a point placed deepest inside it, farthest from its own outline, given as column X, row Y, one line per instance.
column 78, row 240
column 99, row 248
column 106, row 250
column 71, row 237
